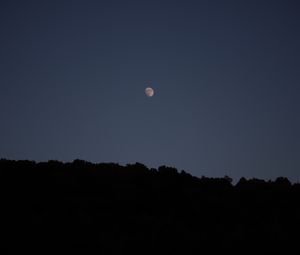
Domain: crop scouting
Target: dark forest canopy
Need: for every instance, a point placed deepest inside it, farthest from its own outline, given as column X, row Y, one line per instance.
column 117, row 209
column 136, row 169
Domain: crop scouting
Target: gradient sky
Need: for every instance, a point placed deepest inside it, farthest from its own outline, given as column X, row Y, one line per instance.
column 226, row 76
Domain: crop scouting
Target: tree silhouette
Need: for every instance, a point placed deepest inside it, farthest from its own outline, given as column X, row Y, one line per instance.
column 114, row 209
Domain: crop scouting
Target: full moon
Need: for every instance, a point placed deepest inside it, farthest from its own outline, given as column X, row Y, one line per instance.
column 149, row 92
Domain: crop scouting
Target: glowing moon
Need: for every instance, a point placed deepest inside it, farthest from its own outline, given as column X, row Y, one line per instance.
column 149, row 92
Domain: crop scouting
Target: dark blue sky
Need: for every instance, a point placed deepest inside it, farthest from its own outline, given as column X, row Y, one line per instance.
column 226, row 76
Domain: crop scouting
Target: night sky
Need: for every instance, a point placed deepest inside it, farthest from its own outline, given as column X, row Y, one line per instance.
column 226, row 76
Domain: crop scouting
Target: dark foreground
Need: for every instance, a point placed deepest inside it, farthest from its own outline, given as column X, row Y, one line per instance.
column 111, row 209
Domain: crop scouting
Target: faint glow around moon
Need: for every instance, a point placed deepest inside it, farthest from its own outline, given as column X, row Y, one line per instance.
column 149, row 92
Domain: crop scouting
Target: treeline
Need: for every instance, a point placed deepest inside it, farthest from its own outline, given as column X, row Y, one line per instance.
column 112, row 209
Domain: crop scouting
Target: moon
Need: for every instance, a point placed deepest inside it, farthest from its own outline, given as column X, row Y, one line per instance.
column 149, row 92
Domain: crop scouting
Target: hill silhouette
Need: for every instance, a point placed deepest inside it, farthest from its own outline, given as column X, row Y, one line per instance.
column 107, row 208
